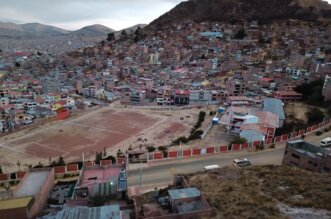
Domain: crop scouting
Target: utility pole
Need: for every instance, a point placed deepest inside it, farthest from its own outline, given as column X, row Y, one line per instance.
column 140, row 173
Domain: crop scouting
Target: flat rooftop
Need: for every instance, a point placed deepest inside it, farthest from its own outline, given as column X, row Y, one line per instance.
column 94, row 175
column 184, row 193
column 32, row 183
column 307, row 148
column 15, row 203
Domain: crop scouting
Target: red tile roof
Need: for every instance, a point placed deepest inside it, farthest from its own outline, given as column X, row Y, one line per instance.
column 183, row 92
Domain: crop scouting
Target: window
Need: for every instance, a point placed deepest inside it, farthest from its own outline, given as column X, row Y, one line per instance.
column 312, row 163
column 293, row 163
column 296, row 156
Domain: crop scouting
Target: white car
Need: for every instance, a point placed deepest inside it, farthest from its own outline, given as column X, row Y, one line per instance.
column 211, row 167
column 27, row 122
column 326, row 142
column 241, row 162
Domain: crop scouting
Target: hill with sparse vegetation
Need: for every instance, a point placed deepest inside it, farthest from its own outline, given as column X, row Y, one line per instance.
column 264, row 11
column 265, row 192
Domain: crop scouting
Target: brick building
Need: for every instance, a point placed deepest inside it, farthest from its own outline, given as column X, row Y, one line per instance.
column 30, row 196
column 307, row 156
column 286, row 96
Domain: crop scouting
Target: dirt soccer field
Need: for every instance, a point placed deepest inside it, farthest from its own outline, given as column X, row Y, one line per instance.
column 108, row 128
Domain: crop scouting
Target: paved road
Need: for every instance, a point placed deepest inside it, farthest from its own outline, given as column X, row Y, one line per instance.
column 163, row 173
column 316, row 140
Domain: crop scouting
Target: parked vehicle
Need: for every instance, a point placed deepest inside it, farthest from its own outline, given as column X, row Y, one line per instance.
column 325, row 142
column 241, row 162
column 27, row 122
column 211, row 167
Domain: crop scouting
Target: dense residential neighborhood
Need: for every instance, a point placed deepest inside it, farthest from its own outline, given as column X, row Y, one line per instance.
column 216, row 109
column 200, row 64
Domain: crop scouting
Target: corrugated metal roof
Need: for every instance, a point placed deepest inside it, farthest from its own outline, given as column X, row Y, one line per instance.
column 104, row 212
column 275, row 106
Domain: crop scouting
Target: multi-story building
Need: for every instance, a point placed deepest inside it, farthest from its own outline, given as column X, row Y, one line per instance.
column 51, row 86
column 235, row 87
column 287, row 96
column 181, row 97
column 326, row 92
column 137, row 97
column 199, row 97
column 301, row 154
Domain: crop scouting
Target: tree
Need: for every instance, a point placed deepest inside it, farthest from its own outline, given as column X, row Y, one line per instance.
column 119, row 153
column 195, row 135
column 314, row 115
column 104, row 152
column 241, row 34
column 110, row 157
column 19, row 165
column 312, row 91
column 61, row 161
column 150, row 149
column 124, row 35
column 1, row 170
column 110, row 37
column 98, row 157
column 138, row 34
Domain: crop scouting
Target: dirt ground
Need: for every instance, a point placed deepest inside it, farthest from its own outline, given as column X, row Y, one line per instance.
column 112, row 128
column 265, row 192
column 297, row 111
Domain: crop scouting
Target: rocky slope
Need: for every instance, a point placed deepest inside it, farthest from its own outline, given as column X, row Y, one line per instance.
column 264, row 11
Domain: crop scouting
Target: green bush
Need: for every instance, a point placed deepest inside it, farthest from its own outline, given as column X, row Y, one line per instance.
column 179, row 140
column 195, row 135
column 162, row 148
column 318, row 133
column 238, row 140
column 150, row 148
column 201, row 118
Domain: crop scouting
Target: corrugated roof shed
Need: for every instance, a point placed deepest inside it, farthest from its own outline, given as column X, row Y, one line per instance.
column 104, row 212
column 275, row 106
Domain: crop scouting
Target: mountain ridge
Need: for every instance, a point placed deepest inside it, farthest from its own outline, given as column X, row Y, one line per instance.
column 13, row 30
column 264, row 11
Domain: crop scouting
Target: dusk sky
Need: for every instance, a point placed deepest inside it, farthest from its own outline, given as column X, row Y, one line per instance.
column 74, row 14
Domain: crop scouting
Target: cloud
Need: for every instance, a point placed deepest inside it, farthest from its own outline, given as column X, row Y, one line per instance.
column 73, row 14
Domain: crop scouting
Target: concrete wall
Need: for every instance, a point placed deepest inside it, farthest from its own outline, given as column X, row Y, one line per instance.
column 15, row 213
column 41, row 198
